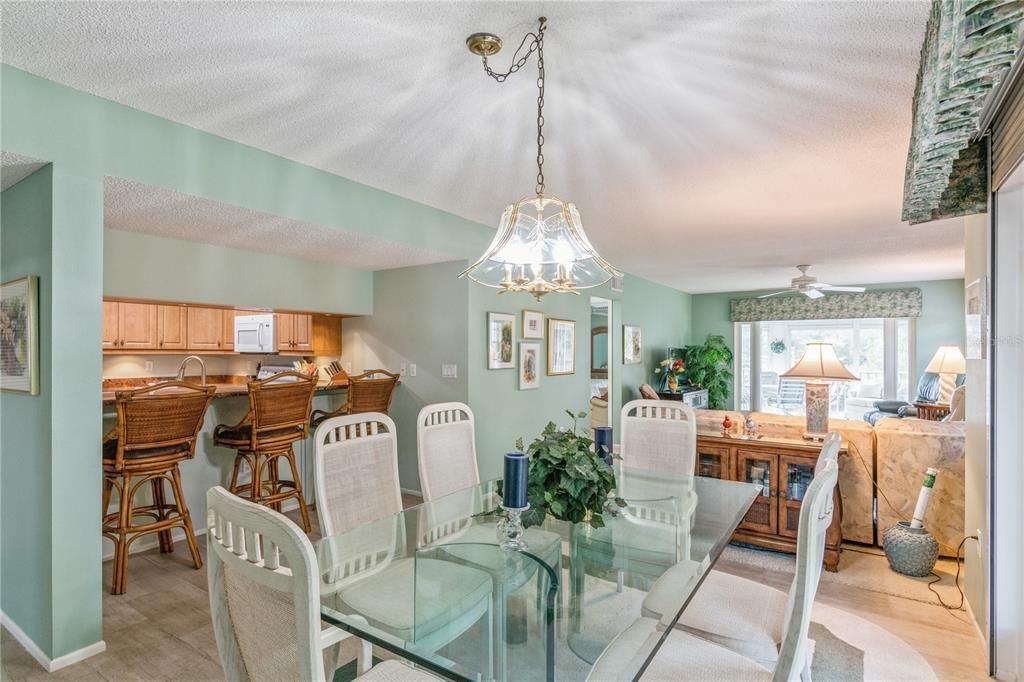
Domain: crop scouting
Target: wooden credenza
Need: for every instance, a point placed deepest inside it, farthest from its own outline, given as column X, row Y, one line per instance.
column 784, row 469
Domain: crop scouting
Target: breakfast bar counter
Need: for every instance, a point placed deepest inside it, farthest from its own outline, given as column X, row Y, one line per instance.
column 226, row 385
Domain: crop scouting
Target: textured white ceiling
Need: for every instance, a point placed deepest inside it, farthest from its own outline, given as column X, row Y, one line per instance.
column 708, row 145
column 14, row 168
column 135, row 207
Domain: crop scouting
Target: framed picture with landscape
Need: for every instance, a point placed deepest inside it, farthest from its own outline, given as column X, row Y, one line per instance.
column 561, row 347
column 19, row 335
column 501, row 329
column 632, row 345
column 529, row 365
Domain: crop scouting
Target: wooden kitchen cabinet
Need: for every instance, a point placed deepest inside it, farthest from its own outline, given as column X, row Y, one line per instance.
column 326, row 335
column 782, row 469
column 129, row 326
column 294, row 333
column 206, row 329
column 171, row 327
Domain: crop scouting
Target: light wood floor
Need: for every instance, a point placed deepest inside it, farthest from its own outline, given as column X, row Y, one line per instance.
column 161, row 628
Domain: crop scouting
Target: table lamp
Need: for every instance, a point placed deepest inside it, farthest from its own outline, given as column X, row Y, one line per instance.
column 947, row 362
column 818, row 366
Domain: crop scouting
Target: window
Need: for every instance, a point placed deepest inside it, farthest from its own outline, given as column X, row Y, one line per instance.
column 878, row 351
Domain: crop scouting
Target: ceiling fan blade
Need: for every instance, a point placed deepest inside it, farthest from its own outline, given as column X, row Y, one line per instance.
column 829, row 287
column 784, row 291
column 813, row 293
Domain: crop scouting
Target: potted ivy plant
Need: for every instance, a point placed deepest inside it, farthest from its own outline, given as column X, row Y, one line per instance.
column 567, row 479
column 709, row 366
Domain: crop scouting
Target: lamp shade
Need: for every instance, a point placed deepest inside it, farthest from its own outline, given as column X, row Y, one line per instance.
column 820, row 362
column 947, row 360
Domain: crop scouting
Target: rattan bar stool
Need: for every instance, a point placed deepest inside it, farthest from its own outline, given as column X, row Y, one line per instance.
column 278, row 417
column 157, row 427
column 370, row 391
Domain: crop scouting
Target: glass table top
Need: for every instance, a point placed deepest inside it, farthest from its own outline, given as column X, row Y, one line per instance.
column 433, row 585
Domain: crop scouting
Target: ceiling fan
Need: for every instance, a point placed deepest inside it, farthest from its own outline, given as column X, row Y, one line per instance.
column 809, row 286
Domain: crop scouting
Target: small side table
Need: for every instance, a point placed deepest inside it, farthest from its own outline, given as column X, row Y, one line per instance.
column 933, row 412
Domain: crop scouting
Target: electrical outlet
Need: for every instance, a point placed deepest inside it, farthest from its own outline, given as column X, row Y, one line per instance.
column 401, row 369
column 412, row 369
column 347, row 367
column 449, row 371
column 148, row 365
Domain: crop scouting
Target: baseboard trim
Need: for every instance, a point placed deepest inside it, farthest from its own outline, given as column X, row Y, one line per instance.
column 55, row 664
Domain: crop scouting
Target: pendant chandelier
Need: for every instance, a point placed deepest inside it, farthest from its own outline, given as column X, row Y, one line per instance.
column 540, row 246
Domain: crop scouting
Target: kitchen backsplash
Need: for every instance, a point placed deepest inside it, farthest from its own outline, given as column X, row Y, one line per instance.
column 130, row 366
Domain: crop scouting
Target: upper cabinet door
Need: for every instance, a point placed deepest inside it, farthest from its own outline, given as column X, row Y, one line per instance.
column 136, row 325
column 302, row 333
column 206, row 329
column 171, row 327
column 285, row 325
column 110, row 335
column 229, row 329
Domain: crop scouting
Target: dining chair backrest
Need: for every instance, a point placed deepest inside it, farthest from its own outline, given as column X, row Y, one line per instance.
column 279, row 402
column 815, row 518
column 156, row 418
column 264, row 592
column 659, row 435
column 446, row 449
column 356, row 471
column 371, row 391
column 829, row 451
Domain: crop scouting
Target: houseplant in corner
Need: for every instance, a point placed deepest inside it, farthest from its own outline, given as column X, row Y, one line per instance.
column 567, row 478
column 709, row 366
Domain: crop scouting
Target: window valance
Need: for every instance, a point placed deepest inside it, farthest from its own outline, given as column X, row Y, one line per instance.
column 883, row 303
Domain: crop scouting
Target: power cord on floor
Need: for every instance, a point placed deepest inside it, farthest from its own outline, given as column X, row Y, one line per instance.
column 936, row 577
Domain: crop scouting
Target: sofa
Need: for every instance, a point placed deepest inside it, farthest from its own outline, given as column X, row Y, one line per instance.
column 899, row 450
column 927, row 392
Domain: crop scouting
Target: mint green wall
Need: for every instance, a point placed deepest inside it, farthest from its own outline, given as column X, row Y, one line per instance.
column 941, row 321
column 419, row 317
column 25, row 454
column 504, row 413
column 145, row 266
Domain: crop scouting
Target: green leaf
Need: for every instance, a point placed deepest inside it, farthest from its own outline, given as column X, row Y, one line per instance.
column 619, row 501
column 519, row 444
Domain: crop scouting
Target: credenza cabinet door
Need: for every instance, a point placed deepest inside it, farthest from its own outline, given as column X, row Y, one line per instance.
column 796, row 475
column 714, row 462
column 761, row 469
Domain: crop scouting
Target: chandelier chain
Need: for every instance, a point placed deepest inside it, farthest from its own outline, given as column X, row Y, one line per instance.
column 536, row 44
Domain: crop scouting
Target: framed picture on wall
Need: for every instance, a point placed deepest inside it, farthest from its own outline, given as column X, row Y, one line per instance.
column 529, row 365
column 533, row 324
column 976, row 319
column 19, row 335
column 501, row 329
column 561, row 347
column 632, row 345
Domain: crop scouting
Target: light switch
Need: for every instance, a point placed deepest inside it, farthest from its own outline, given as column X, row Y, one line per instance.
column 412, row 369
column 449, row 371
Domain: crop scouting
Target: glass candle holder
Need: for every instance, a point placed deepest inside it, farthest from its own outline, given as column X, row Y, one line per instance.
column 510, row 529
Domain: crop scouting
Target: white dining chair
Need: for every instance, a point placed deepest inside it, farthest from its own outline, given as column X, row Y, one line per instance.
column 357, row 483
column 684, row 656
column 740, row 614
column 446, row 449
column 264, row 599
column 661, row 436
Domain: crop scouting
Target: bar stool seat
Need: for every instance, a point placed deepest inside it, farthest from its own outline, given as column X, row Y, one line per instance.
column 156, row 430
column 278, row 417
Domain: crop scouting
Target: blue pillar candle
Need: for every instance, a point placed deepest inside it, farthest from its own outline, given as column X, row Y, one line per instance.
column 603, row 443
column 516, row 470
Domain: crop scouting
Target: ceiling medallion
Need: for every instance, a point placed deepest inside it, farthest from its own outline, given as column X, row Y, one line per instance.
column 540, row 246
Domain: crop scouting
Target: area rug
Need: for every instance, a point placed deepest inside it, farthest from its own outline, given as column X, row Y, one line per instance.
column 864, row 568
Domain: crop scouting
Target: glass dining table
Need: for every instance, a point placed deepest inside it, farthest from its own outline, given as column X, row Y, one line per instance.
column 432, row 584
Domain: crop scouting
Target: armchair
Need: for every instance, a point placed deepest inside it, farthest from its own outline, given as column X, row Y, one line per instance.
column 927, row 392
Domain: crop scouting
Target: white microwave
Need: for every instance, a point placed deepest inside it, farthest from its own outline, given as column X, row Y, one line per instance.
column 255, row 334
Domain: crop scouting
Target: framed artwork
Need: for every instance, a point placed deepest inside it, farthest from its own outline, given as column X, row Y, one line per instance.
column 529, row 365
column 976, row 319
column 632, row 345
column 561, row 347
column 19, row 335
column 533, row 324
column 501, row 329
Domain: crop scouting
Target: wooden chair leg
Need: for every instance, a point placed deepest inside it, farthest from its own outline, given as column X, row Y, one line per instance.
column 233, row 486
column 119, row 579
column 108, row 489
column 179, row 499
column 160, row 502
column 290, row 456
column 256, row 464
column 273, row 476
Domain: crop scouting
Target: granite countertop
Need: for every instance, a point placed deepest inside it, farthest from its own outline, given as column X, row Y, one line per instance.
column 226, row 385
